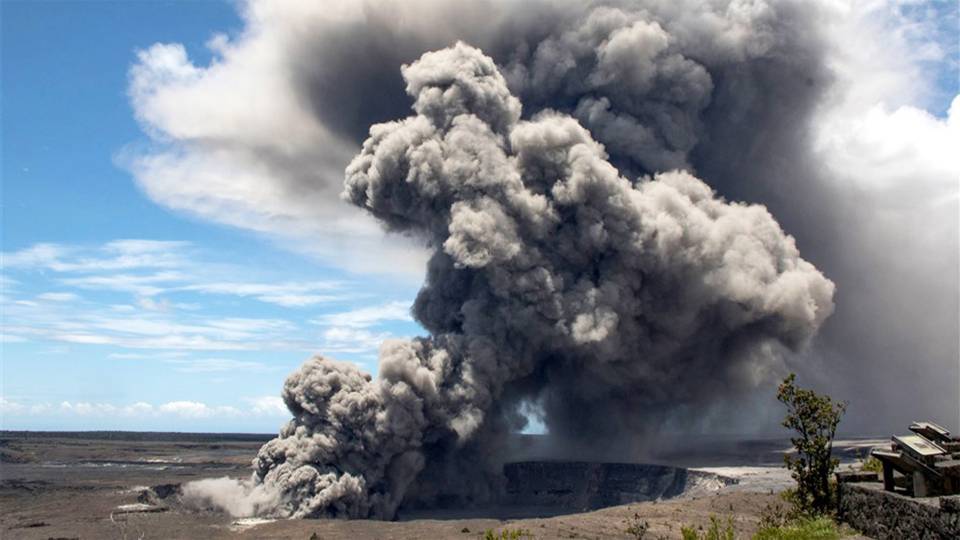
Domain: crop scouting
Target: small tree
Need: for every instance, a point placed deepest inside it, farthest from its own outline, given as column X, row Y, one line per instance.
column 814, row 418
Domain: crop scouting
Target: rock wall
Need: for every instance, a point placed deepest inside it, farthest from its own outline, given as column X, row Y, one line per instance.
column 579, row 485
column 884, row 515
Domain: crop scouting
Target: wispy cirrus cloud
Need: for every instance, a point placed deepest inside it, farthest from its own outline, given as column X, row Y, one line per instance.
column 174, row 306
column 116, row 255
column 216, row 365
column 185, row 315
column 286, row 294
column 350, row 331
column 185, row 362
column 141, row 285
column 148, row 268
column 161, row 331
column 368, row 316
column 59, row 297
column 143, row 355
column 158, row 275
column 6, row 282
column 340, row 339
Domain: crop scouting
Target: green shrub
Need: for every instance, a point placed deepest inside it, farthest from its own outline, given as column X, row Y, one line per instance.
column 821, row 528
column 716, row 531
column 872, row 464
column 775, row 514
column 506, row 534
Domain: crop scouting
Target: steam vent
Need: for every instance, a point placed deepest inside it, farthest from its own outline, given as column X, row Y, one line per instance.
column 580, row 485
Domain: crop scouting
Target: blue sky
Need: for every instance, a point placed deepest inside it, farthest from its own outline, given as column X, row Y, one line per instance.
column 156, row 277
column 118, row 313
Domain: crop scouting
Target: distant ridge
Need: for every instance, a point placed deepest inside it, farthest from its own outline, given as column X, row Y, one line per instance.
column 140, row 436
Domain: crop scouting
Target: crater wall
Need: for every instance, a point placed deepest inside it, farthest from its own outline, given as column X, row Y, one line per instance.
column 581, row 485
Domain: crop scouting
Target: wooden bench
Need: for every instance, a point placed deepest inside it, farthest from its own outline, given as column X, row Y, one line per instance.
column 932, row 469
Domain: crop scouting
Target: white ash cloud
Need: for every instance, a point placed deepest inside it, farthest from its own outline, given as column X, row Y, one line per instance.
column 237, row 498
column 553, row 279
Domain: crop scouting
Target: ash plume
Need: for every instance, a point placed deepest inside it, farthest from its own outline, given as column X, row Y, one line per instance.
column 817, row 110
column 607, row 302
column 579, row 269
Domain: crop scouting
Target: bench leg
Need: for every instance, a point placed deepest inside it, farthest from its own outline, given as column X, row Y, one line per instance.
column 920, row 488
column 887, row 476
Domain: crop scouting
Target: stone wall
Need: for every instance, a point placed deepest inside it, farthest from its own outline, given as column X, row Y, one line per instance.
column 884, row 515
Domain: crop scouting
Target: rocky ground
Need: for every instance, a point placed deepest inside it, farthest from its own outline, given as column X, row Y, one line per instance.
column 98, row 488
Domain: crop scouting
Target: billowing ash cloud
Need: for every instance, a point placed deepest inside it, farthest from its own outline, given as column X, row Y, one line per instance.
column 578, row 267
column 554, row 280
column 814, row 109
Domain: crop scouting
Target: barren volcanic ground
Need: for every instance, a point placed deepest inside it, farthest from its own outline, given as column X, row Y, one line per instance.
column 95, row 485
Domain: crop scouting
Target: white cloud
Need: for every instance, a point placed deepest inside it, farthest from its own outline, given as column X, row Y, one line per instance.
column 147, row 356
column 8, row 406
column 108, row 267
column 349, row 331
column 878, row 141
column 268, row 406
column 41, row 408
column 340, row 339
column 177, row 342
column 286, row 294
column 259, row 289
column 895, row 67
column 6, row 282
column 58, row 297
column 297, row 300
column 874, row 133
column 905, row 149
column 140, row 285
column 164, row 328
column 84, row 408
column 11, row 338
column 216, row 365
column 228, row 329
column 196, row 409
column 244, row 328
column 183, row 409
column 235, row 142
column 140, row 409
column 368, row 316
column 116, row 255
column 151, row 304
column 158, row 317
column 85, row 339
column 38, row 255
